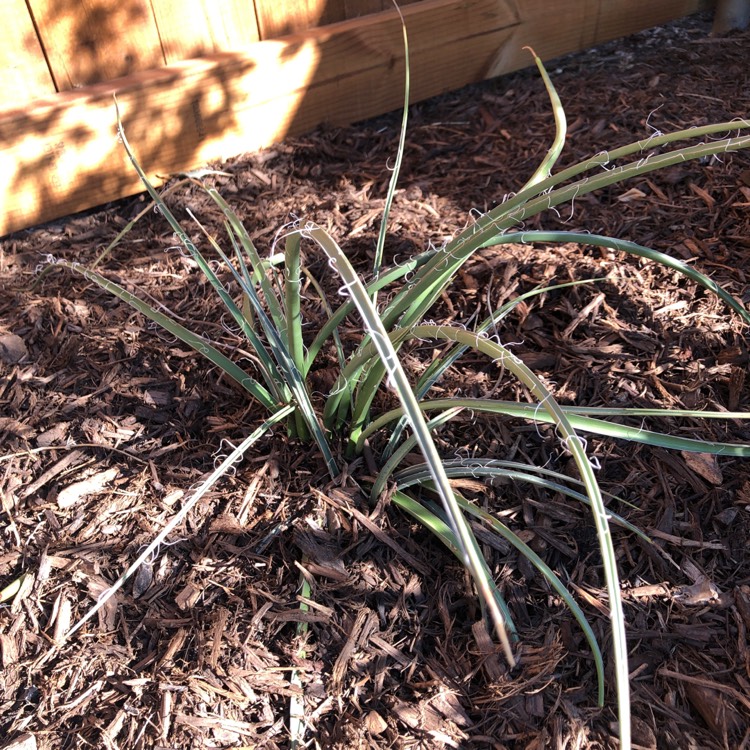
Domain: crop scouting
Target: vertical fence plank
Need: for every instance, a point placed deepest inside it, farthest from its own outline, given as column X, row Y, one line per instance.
column 88, row 41
column 24, row 74
column 193, row 28
column 277, row 18
column 357, row 8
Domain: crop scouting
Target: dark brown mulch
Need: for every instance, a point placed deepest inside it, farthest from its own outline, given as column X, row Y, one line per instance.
column 199, row 651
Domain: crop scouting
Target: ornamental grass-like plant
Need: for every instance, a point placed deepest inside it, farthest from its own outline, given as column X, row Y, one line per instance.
column 264, row 296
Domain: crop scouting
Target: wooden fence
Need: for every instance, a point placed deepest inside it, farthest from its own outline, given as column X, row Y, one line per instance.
column 199, row 80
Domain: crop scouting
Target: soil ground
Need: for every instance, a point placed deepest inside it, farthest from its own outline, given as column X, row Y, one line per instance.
column 198, row 651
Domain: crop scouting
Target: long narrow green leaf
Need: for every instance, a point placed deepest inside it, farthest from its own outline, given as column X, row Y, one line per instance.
column 329, row 312
column 337, row 405
column 347, row 386
column 440, row 365
column 502, row 530
column 273, row 379
column 412, row 303
column 405, row 472
column 188, row 243
column 292, row 289
column 605, row 158
column 577, row 416
column 293, row 284
column 293, row 377
column 515, row 211
column 283, row 359
column 431, row 520
column 544, row 170
column 398, row 456
column 297, row 725
column 259, row 266
column 435, row 523
column 575, row 446
column 399, row 157
column 388, row 277
column 473, row 558
column 126, row 229
column 495, row 469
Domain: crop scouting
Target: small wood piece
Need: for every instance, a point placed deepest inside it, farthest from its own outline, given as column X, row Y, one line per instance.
column 25, row 742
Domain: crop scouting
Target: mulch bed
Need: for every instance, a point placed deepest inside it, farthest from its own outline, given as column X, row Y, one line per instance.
column 199, row 650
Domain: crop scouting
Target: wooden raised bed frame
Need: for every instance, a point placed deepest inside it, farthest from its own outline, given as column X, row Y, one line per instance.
column 59, row 153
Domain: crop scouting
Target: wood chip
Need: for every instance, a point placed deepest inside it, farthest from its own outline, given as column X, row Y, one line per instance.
column 340, row 500
column 705, row 465
column 14, row 427
column 188, row 596
column 74, row 493
column 492, row 660
column 363, row 625
column 375, row 723
column 176, row 642
column 701, row 592
column 12, row 348
column 70, row 459
column 24, row 589
column 8, row 650
column 720, row 715
column 62, row 619
column 24, row 742
column 217, row 634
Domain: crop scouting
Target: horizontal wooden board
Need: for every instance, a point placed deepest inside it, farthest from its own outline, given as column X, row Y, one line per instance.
column 60, row 155
column 558, row 27
column 280, row 17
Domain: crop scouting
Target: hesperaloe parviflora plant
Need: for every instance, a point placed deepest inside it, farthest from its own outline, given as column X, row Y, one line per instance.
column 264, row 297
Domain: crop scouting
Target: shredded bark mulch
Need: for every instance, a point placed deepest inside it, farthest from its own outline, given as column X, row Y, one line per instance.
column 106, row 424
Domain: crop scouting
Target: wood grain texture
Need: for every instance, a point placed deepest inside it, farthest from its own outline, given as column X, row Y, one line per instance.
column 24, row 74
column 61, row 156
column 194, row 28
column 277, row 19
column 558, row 27
column 88, row 41
column 359, row 8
